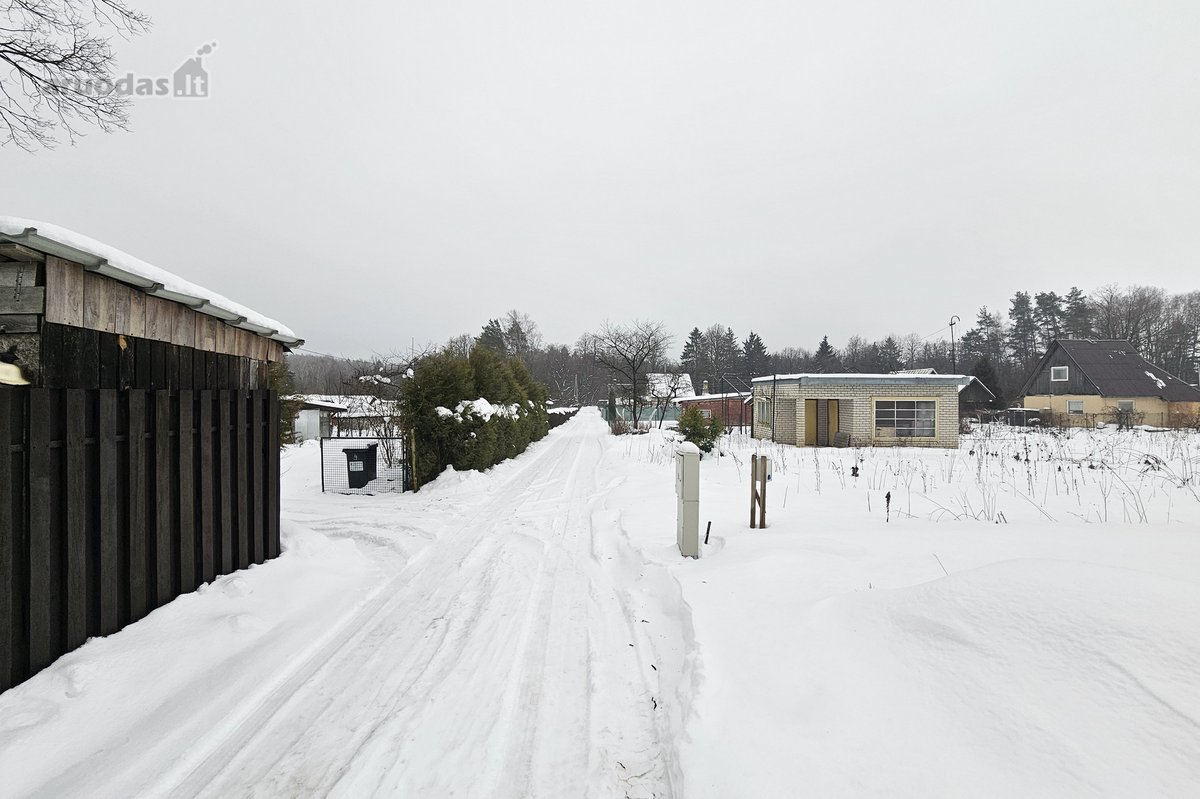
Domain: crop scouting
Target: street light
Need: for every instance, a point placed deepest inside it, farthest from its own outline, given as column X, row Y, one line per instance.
column 953, row 359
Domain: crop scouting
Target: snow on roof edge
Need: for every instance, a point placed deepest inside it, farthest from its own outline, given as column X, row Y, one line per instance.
column 16, row 228
column 863, row 376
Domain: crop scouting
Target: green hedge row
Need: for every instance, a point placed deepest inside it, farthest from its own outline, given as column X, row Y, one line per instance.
column 445, row 435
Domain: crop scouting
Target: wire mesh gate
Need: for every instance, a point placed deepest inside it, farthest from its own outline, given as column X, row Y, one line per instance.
column 365, row 464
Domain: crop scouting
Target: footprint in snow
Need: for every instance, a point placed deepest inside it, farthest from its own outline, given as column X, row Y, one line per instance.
column 79, row 677
column 25, row 713
column 245, row 623
column 237, row 588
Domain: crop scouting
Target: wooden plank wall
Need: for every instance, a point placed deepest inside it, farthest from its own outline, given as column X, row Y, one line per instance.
column 78, row 298
column 119, row 502
column 77, row 357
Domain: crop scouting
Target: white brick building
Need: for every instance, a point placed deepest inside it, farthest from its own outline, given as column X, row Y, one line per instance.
column 858, row 409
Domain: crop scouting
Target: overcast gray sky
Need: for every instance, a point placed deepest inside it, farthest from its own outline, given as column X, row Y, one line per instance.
column 375, row 172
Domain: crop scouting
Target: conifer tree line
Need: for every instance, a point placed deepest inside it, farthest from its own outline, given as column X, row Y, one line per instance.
column 1000, row 346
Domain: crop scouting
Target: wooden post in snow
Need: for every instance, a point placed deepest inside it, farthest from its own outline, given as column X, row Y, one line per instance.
column 759, row 466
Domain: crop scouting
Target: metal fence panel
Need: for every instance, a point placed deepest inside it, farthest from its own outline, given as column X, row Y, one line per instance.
column 392, row 467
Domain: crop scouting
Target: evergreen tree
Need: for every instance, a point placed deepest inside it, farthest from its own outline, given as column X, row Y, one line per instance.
column 1049, row 315
column 985, row 371
column 693, row 353
column 492, row 337
column 1077, row 315
column 515, row 341
column 755, row 360
column 826, row 359
column 281, row 381
column 888, row 356
column 1023, row 332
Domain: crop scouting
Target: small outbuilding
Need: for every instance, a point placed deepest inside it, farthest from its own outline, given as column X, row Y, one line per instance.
column 314, row 419
column 732, row 408
column 858, row 409
column 139, row 453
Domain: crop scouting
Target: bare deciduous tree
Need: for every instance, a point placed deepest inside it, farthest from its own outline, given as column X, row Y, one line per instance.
column 59, row 62
column 666, row 389
column 629, row 352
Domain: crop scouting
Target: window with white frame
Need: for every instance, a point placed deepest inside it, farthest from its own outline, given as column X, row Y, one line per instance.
column 1058, row 374
column 762, row 411
column 1074, row 406
column 1125, row 406
column 908, row 418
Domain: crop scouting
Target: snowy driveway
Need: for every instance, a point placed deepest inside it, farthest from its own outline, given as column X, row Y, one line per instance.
column 472, row 672
column 502, row 660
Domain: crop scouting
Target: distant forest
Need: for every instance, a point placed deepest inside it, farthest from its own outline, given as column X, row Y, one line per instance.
column 1001, row 347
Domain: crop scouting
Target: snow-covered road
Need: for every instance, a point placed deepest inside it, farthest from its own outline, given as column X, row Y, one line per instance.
column 498, row 663
column 488, row 636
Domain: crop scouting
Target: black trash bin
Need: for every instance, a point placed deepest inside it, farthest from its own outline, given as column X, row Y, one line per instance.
column 360, row 465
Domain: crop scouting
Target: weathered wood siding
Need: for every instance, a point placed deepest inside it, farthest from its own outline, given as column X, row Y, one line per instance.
column 78, row 357
column 78, row 298
column 1076, row 382
column 118, row 501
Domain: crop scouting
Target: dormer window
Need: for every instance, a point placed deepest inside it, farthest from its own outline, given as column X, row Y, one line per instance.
column 1058, row 374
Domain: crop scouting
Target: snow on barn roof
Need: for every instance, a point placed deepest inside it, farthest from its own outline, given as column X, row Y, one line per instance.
column 113, row 263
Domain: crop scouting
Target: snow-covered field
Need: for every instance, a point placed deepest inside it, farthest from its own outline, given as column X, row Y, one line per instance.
column 1023, row 620
column 1027, row 623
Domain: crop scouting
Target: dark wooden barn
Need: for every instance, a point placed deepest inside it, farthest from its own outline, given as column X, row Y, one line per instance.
column 141, row 459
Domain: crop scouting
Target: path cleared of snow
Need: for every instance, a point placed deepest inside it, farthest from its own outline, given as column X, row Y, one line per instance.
column 485, row 637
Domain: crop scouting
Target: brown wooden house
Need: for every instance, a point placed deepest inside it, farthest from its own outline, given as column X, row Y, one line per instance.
column 142, row 458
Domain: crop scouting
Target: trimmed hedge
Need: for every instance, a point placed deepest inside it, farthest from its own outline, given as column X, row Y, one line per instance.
column 446, row 431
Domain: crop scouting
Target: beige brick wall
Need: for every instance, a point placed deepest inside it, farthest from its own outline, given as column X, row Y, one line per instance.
column 856, row 414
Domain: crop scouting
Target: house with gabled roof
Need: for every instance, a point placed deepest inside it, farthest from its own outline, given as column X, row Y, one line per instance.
column 1078, row 380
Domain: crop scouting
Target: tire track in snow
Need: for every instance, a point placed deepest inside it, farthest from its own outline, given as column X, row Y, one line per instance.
column 473, row 672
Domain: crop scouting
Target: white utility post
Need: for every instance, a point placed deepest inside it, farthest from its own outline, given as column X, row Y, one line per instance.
column 687, row 491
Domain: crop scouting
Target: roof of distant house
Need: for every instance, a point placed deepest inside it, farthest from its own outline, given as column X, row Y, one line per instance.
column 735, row 395
column 314, row 401
column 665, row 385
column 852, row 378
column 1116, row 369
column 110, row 262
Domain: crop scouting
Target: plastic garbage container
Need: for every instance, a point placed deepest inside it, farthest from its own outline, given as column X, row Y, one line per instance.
column 360, row 465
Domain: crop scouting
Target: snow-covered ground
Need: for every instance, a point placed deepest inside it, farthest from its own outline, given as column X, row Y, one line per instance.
column 476, row 639
column 1027, row 623
column 1022, row 621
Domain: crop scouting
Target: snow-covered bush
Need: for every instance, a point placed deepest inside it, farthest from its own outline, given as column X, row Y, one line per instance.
column 471, row 413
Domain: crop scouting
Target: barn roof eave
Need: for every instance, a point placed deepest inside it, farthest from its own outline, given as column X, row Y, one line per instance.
column 93, row 263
